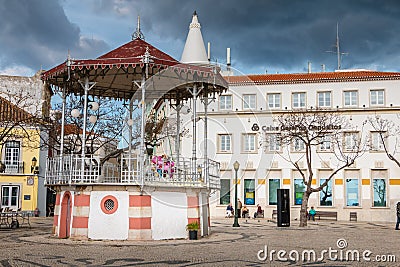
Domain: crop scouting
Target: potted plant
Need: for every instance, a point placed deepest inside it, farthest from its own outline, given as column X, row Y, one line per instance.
column 193, row 228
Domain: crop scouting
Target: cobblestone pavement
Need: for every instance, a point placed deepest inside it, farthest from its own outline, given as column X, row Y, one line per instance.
column 226, row 246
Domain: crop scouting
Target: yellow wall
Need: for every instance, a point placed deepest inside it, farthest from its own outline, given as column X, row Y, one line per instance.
column 29, row 149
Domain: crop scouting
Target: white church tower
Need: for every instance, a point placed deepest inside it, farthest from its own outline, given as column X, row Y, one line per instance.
column 194, row 51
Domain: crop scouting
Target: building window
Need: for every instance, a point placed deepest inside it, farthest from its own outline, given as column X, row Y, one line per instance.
column 299, row 100
column 225, row 193
column 325, row 144
column 274, row 100
column 273, row 142
column 299, row 189
column 325, row 195
column 249, row 101
column 352, row 192
column 11, row 157
column 324, row 99
column 376, row 141
column 10, row 196
column 12, row 152
column 350, row 98
column 379, row 185
column 298, row 145
column 377, row 97
column 273, row 186
column 225, row 102
column 350, row 141
column 249, row 143
column 224, row 143
column 249, row 191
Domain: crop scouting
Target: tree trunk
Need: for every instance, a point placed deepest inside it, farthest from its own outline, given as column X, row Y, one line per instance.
column 303, row 210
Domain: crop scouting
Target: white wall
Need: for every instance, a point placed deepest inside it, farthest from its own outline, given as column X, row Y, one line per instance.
column 108, row 226
column 169, row 215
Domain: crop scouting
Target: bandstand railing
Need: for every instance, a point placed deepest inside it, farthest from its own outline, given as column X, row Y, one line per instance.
column 72, row 169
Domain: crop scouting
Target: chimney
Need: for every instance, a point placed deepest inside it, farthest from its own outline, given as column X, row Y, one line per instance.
column 309, row 67
column 228, row 58
column 209, row 51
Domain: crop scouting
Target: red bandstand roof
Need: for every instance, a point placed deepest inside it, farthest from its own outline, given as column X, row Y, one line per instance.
column 115, row 72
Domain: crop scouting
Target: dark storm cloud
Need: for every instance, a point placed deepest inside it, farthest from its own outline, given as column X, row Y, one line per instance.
column 283, row 35
column 274, row 35
column 37, row 33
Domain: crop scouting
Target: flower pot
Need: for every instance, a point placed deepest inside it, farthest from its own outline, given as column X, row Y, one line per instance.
column 192, row 234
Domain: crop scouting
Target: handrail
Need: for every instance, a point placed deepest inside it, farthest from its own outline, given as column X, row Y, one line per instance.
column 157, row 171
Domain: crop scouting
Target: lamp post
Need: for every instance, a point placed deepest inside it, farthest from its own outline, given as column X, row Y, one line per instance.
column 236, row 167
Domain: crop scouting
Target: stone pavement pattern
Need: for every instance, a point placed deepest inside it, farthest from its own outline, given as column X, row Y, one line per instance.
column 227, row 246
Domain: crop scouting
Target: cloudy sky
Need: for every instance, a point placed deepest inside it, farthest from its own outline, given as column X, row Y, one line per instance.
column 264, row 35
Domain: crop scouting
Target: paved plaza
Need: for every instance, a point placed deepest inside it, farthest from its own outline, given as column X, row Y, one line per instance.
column 226, row 246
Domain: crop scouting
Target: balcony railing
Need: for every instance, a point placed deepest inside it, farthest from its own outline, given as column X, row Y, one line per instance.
column 15, row 167
column 72, row 169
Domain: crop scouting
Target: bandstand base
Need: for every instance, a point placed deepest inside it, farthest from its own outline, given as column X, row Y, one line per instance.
column 124, row 212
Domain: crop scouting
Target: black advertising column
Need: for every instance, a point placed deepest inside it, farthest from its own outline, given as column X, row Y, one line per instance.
column 283, row 208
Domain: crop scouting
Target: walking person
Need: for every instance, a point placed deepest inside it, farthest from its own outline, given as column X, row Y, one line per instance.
column 398, row 216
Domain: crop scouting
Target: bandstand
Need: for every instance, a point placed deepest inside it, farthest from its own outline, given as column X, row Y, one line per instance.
column 129, row 199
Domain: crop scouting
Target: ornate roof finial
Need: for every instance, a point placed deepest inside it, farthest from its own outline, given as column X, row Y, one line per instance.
column 138, row 33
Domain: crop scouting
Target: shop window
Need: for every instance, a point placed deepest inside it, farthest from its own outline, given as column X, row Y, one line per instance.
column 225, row 193
column 352, row 192
column 325, row 195
column 299, row 189
column 249, row 192
column 379, row 192
column 273, row 186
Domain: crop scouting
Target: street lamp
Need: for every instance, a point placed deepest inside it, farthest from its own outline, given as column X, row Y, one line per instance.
column 199, row 171
column 33, row 165
column 236, row 167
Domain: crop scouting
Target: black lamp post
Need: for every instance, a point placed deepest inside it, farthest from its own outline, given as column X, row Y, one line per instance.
column 236, row 167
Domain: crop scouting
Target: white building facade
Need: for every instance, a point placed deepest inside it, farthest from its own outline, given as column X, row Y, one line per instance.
column 370, row 187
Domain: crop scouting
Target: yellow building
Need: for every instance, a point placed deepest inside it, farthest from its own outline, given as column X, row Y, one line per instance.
column 19, row 158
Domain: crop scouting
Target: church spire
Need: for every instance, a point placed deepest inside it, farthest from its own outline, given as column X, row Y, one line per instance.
column 194, row 51
column 138, row 33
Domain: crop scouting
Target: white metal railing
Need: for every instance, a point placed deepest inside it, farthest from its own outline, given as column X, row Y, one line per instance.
column 157, row 171
column 12, row 167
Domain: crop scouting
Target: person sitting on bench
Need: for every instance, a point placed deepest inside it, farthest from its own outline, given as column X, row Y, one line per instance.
column 245, row 212
column 229, row 210
column 258, row 212
column 311, row 214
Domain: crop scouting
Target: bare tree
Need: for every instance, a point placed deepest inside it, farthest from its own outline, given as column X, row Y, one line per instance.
column 306, row 131
column 15, row 120
column 103, row 130
column 386, row 129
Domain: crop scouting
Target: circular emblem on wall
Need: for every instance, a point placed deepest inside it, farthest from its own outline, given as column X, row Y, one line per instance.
column 109, row 204
column 30, row 181
column 255, row 127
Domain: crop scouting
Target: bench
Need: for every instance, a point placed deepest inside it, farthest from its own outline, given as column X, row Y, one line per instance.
column 353, row 216
column 274, row 214
column 260, row 215
column 326, row 215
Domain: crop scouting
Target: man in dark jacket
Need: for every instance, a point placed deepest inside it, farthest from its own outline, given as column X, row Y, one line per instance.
column 398, row 216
